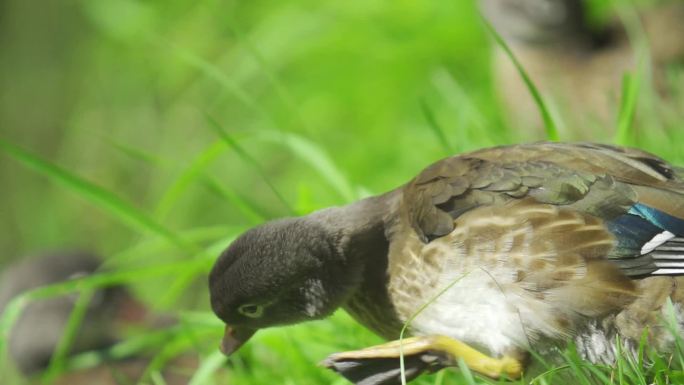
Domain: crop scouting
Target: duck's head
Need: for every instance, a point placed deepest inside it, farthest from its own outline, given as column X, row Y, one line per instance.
column 280, row 273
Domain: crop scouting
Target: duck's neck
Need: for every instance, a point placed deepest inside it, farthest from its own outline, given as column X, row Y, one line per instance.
column 358, row 229
column 360, row 233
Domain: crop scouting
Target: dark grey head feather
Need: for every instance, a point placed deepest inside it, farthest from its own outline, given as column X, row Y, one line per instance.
column 293, row 267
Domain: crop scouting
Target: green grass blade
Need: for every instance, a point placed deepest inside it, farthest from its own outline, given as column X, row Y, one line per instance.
column 9, row 316
column 435, row 127
column 131, row 347
column 467, row 374
column 193, row 174
column 178, row 286
column 541, row 378
column 279, row 87
column 107, row 201
column 251, row 211
column 59, row 357
column 439, row 377
column 476, row 129
column 576, row 366
column 182, row 337
column 136, row 154
column 317, row 158
column 214, row 73
column 413, row 316
column 208, row 367
column 188, row 177
column 630, row 17
column 135, row 255
column 230, row 141
column 14, row 308
column 549, row 122
column 157, row 378
column 630, row 92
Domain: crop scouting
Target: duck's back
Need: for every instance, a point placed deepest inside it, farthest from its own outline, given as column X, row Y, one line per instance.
column 513, row 243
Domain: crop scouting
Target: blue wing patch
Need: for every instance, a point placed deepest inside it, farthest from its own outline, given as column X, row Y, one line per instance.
column 658, row 218
column 649, row 242
column 632, row 232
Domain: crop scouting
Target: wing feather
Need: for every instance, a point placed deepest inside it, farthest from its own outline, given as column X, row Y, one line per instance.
column 635, row 195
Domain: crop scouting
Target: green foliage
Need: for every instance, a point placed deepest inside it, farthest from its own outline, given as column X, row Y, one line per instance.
column 549, row 124
column 156, row 132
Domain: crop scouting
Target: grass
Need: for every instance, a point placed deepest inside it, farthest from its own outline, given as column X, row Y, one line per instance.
column 550, row 126
column 156, row 133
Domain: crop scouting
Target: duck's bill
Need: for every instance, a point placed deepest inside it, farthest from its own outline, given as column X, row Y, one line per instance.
column 234, row 338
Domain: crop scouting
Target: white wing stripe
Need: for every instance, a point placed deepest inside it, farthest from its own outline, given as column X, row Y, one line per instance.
column 658, row 240
column 668, row 272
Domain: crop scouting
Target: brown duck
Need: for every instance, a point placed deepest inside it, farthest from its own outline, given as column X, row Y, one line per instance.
column 504, row 249
column 578, row 67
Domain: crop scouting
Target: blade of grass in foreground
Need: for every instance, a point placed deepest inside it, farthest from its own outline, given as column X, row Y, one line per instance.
column 435, row 127
column 467, row 374
column 195, row 170
column 317, row 158
column 13, row 310
column 135, row 153
column 207, row 368
column 250, row 210
column 102, row 198
column 190, row 175
column 59, row 357
column 630, row 92
column 629, row 16
column 135, row 344
column 549, row 123
column 213, row 72
column 278, row 86
column 135, row 255
column 413, row 316
column 247, row 158
column 186, row 337
column 475, row 130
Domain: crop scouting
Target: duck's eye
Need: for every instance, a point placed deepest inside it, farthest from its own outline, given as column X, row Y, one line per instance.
column 251, row 311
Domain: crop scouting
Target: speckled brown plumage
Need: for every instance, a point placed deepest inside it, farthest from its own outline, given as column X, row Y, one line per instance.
column 499, row 209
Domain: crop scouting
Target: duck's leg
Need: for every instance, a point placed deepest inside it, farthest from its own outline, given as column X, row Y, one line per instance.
column 428, row 353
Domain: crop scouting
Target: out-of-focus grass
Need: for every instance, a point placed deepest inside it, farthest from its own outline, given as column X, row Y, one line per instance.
column 311, row 104
column 550, row 126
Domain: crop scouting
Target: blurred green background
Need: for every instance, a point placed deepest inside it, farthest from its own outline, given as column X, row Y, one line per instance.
column 204, row 118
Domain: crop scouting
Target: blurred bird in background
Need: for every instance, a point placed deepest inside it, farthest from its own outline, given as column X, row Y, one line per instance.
column 579, row 67
column 40, row 328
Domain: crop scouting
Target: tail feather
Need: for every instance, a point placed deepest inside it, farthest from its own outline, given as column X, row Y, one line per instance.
column 669, row 257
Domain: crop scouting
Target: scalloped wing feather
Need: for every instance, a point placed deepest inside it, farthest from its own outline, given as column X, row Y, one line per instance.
column 600, row 180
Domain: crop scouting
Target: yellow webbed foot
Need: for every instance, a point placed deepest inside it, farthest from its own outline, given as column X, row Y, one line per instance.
column 379, row 364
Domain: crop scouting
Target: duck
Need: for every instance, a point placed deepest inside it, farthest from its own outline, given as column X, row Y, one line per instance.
column 481, row 257
column 39, row 329
column 31, row 344
column 579, row 66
